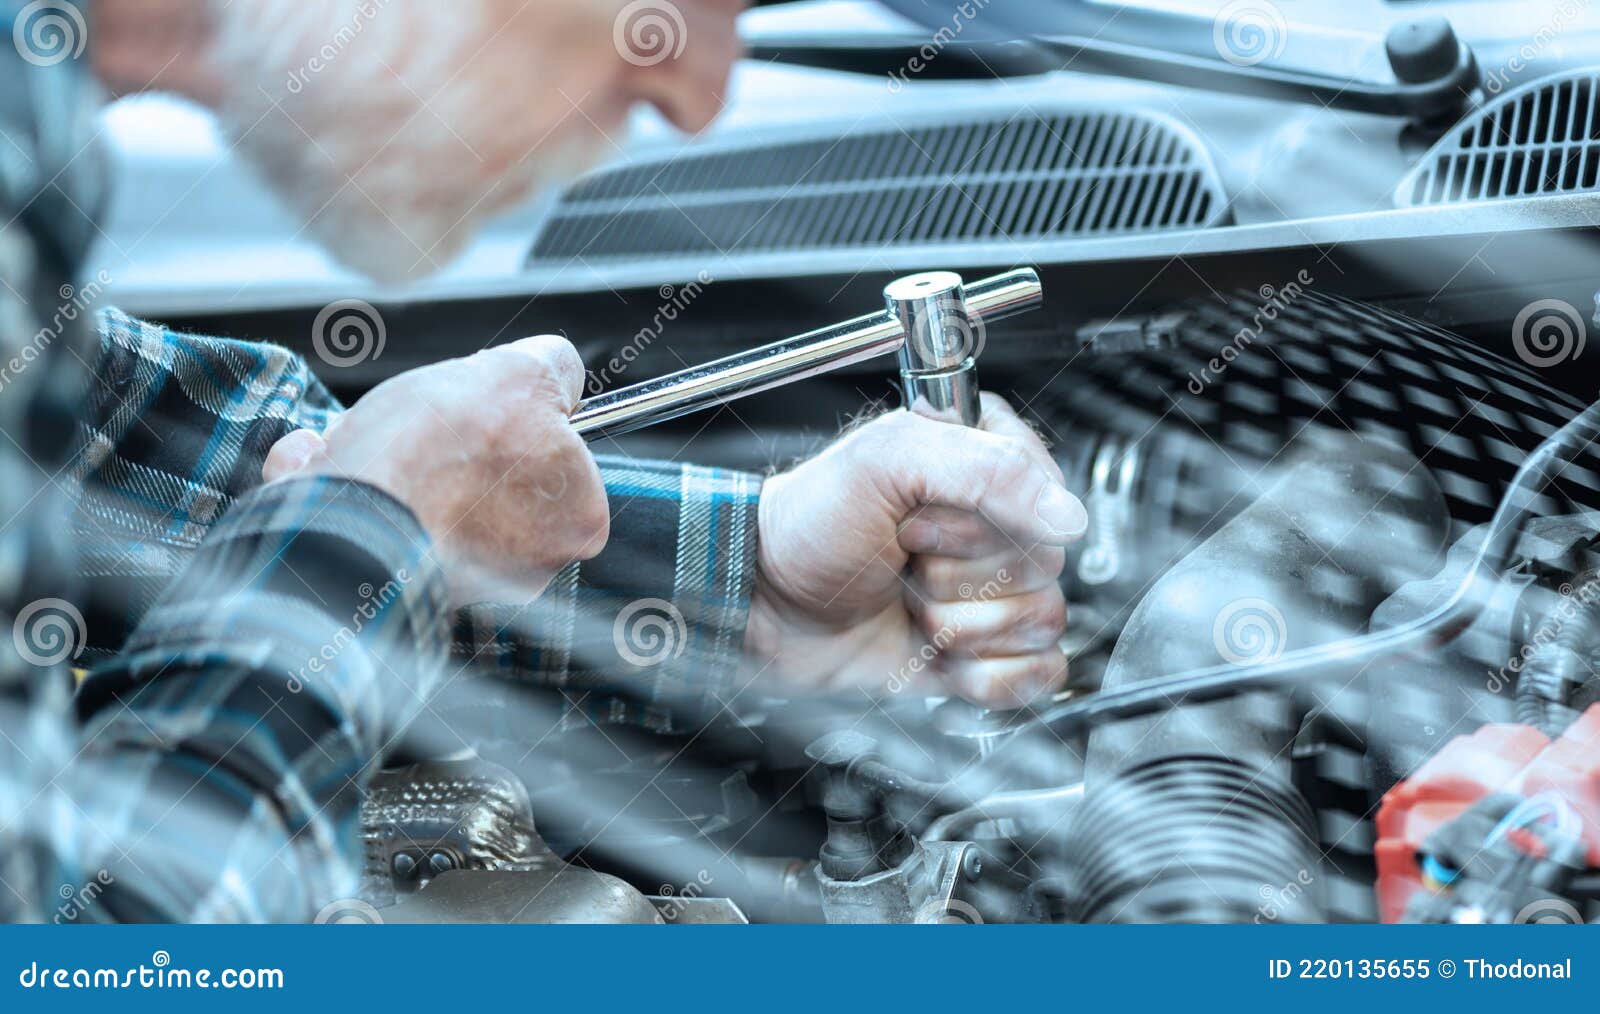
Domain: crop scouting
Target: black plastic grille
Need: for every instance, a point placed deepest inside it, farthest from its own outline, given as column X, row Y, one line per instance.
column 1469, row 416
column 1029, row 176
column 1543, row 138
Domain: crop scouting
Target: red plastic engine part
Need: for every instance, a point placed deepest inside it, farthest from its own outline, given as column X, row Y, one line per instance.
column 1496, row 758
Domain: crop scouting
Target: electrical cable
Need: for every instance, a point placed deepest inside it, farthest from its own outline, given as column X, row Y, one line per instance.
column 1305, row 665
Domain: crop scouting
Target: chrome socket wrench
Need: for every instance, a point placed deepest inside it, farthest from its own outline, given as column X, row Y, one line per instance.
column 934, row 321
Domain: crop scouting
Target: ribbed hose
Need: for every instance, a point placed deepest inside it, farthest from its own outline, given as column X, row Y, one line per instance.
column 1194, row 839
column 1560, row 666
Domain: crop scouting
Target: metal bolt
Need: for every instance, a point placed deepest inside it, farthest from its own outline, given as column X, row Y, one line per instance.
column 972, row 864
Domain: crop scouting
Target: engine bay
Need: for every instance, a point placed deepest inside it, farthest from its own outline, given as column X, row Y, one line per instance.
column 1318, row 377
column 1331, row 644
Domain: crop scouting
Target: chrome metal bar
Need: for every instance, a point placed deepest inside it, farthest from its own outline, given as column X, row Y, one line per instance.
column 939, row 358
column 806, row 355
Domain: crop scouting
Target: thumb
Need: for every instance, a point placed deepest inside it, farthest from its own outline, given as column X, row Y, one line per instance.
column 292, row 453
column 996, row 476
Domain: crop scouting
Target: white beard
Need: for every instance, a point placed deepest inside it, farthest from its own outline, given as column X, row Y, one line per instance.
column 368, row 118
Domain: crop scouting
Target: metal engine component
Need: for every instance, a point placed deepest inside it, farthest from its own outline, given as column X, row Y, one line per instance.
column 1194, row 811
column 874, row 871
column 425, row 820
column 560, row 895
column 924, row 887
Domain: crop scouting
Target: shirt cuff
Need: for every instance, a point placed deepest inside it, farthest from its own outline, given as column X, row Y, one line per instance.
column 651, row 631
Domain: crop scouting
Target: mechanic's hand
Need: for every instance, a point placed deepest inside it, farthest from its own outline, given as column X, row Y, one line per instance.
column 482, row 452
column 980, row 516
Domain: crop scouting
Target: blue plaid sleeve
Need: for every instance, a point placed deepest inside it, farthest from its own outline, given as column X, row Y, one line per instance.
column 249, row 706
column 651, row 631
column 174, row 431
column 178, row 428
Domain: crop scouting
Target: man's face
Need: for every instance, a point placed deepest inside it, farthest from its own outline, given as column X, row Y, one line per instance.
column 394, row 127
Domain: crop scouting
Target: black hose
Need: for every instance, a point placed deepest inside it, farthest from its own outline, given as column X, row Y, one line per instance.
column 1194, row 839
column 1305, row 665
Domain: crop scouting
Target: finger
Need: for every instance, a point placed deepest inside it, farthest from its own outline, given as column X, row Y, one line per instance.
column 553, row 355
column 291, row 453
column 1006, row 684
column 1014, row 625
column 934, row 463
column 1013, row 570
column 1000, row 418
column 948, row 531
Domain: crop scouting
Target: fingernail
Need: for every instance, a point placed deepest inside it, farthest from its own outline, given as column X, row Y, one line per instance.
column 920, row 537
column 1061, row 512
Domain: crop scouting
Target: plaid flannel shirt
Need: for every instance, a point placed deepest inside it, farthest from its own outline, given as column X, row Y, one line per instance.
column 256, row 648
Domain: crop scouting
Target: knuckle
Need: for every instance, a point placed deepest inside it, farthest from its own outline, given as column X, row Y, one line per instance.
column 937, row 574
column 995, row 404
column 1046, row 616
column 1009, row 464
column 932, row 620
column 1049, row 561
column 879, row 437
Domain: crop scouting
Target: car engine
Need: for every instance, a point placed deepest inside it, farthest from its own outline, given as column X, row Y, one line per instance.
column 1332, row 649
column 1312, row 354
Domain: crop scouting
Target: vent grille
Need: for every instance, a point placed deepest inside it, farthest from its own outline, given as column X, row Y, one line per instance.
column 1542, row 138
column 1071, row 173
